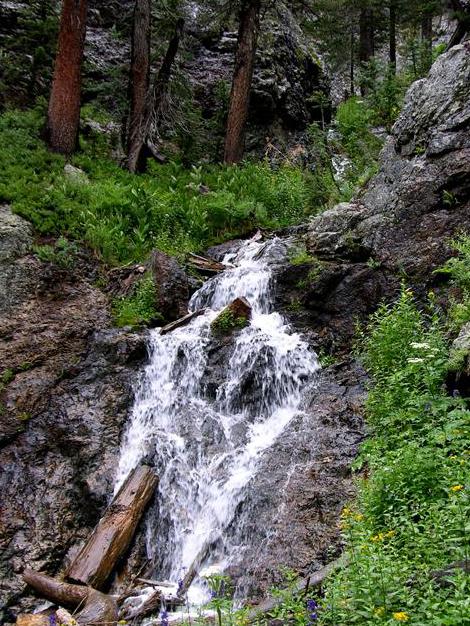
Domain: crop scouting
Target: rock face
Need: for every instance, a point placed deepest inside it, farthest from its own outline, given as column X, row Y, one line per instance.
column 172, row 285
column 401, row 225
column 66, row 387
column 288, row 84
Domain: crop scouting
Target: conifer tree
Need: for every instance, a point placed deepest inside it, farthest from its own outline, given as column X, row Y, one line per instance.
column 63, row 115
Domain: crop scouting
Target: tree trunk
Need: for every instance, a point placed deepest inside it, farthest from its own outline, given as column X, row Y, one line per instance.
column 426, row 38
column 462, row 15
column 63, row 115
column 366, row 35
column 155, row 102
column 94, row 607
column 139, row 81
column 393, row 36
column 242, row 80
column 352, row 84
column 115, row 530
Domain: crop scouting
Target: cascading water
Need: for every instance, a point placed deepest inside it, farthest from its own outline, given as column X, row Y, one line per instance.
column 206, row 446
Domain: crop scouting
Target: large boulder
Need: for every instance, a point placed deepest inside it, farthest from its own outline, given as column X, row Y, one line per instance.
column 421, row 194
column 173, row 286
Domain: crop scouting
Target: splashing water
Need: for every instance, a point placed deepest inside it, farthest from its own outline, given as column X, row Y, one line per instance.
column 206, row 446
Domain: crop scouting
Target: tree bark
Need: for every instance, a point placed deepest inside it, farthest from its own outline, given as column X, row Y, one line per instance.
column 139, row 81
column 115, row 530
column 366, row 35
column 393, row 36
column 63, row 115
column 242, row 80
column 155, row 100
column 462, row 15
column 94, row 607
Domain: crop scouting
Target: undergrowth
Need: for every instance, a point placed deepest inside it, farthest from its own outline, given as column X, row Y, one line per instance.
column 138, row 308
column 122, row 216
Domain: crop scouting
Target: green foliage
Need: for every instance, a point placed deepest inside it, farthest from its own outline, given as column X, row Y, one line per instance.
column 121, row 216
column 227, row 322
column 139, row 308
column 63, row 253
column 458, row 269
column 354, row 121
column 411, row 515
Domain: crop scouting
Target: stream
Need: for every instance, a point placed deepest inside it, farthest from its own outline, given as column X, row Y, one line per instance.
column 207, row 445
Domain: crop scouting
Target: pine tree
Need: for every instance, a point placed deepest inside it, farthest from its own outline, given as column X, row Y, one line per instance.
column 63, row 115
column 242, row 79
column 139, row 80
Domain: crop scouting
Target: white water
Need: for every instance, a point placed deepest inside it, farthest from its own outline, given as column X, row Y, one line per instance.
column 206, row 444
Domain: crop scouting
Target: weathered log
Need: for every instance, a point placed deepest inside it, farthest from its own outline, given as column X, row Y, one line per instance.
column 182, row 321
column 205, row 264
column 94, row 607
column 193, row 570
column 111, row 537
column 54, row 590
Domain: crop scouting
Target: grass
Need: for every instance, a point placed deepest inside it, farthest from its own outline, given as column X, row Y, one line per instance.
column 139, row 308
column 122, row 216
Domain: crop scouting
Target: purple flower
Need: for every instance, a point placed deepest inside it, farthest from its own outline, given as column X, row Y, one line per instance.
column 180, row 585
column 52, row 620
column 311, row 605
column 164, row 618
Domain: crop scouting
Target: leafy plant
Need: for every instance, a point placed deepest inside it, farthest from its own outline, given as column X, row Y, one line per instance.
column 139, row 308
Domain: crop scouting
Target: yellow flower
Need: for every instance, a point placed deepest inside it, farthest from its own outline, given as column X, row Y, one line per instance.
column 378, row 537
column 379, row 611
column 358, row 517
column 346, row 512
column 401, row 616
column 456, row 488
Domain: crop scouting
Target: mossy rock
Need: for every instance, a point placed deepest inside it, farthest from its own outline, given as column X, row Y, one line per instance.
column 235, row 316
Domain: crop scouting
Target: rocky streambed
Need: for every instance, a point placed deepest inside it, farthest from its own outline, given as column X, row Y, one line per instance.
column 71, row 378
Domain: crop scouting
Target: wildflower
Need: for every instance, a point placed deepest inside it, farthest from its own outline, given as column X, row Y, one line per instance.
column 379, row 611
column 180, row 586
column 401, row 616
column 377, row 538
column 312, row 608
column 52, row 620
column 420, row 346
column 164, row 618
column 456, row 488
column 358, row 517
column 415, row 360
column 346, row 512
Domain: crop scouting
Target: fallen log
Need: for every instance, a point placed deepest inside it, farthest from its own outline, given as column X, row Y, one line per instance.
column 182, row 321
column 94, row 607
column 193, row 570
column 205, row 264
column 111, row 537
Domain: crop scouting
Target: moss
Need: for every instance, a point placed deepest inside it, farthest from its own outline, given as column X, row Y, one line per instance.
column 227, row 322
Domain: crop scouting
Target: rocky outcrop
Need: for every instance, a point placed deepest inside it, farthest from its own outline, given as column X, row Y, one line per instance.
column 173, row 287
column 66, row 385
column 401, row 225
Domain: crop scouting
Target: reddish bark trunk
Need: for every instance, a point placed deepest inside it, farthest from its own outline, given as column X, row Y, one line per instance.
column 242, row 79
column 139, row 81
column 63, row 116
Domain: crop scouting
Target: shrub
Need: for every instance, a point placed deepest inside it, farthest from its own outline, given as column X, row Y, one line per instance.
column 139, row 308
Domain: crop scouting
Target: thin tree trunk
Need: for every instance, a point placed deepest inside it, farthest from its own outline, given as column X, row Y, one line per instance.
column 63, row 115
column 426, row 38
column 139, row 81
column 242, row 80
column 393, row 36
column 351, row 64
column 366, row 35
column 462, row 15
column 155, row 102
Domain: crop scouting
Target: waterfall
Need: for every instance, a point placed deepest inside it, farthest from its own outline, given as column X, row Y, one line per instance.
column 206, row 444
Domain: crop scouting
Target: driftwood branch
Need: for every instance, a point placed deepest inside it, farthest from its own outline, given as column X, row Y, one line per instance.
column 94, row 607
column 110, row 539
column 205, row 265
column 182, row 321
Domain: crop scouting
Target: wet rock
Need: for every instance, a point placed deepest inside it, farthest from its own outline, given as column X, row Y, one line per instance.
column 33, row 620
column 64, row 405
column 172, row 284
